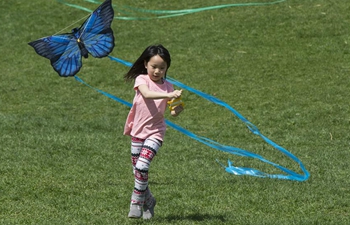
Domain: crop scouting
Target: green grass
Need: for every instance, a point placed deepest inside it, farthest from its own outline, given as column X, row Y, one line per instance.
column 285, row 67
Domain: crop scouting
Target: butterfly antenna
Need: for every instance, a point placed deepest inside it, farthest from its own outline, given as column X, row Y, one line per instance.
column 72, row 24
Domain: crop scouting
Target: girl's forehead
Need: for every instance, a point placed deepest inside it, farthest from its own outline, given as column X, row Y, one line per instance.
column 157, row 60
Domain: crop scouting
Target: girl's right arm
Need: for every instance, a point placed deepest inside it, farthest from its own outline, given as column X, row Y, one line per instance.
column 146, row 93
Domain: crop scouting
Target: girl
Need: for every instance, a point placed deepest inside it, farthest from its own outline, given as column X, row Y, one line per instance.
column 145, row 122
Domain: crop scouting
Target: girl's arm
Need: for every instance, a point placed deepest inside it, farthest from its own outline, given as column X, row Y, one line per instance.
column 146, row 93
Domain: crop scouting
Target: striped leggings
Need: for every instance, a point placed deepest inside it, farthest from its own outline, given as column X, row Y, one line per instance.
column 142, row 153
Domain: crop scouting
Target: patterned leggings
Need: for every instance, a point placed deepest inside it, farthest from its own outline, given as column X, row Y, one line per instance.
column 142, row 153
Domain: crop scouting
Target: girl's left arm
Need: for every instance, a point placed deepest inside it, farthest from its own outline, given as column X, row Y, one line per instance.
column 146, row 93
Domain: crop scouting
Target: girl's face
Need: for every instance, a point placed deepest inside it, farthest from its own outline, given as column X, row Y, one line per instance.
column 156, row 68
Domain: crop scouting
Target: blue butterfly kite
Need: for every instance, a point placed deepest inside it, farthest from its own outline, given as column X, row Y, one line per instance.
column 65, row 51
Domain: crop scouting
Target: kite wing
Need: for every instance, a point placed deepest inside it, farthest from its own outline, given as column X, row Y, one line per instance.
column 65, row 51
column 96, row 32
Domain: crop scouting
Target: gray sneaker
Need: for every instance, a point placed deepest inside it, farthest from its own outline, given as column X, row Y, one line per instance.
column 148, row 211
column 135, row 211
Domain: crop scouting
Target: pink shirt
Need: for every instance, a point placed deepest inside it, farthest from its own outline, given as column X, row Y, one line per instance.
column 146, row 116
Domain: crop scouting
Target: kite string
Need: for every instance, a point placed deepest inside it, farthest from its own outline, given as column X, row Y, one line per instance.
column 84, row 28
column 75, row 6
column 71, row 25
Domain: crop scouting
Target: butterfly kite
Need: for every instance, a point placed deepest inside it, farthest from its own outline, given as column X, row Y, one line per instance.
column 95, row 37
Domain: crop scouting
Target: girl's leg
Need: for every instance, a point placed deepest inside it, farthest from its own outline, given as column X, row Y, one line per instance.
column 148, row 151
column 150, row 201
column 136, row 146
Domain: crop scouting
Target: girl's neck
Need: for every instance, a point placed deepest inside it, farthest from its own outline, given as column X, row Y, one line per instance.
column 161, row 81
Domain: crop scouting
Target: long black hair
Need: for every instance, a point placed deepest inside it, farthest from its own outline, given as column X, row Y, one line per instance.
column 139, row 66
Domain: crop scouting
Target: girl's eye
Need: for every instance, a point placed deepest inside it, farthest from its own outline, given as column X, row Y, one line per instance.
column 155, row 67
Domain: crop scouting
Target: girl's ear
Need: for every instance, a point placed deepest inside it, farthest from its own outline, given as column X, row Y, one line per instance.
column 145, row 63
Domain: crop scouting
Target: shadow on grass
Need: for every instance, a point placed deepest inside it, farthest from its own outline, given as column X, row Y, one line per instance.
column 196, row 217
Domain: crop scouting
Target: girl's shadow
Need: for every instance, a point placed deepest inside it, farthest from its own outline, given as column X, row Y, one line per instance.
column 197, row 217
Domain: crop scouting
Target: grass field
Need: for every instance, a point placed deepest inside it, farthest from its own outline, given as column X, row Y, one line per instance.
column 285, row 67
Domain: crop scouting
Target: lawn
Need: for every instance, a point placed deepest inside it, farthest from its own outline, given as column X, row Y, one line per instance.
column 285, row 67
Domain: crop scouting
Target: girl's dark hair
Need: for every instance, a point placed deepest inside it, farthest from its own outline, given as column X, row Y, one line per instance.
column 139, row 66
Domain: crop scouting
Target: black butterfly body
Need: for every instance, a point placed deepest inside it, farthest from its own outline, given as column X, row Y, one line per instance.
column 95, row 37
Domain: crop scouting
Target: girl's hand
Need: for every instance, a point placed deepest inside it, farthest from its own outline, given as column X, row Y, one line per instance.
column 175, row 94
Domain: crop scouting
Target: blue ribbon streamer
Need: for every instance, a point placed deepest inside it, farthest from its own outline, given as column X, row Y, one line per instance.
column 291, row 175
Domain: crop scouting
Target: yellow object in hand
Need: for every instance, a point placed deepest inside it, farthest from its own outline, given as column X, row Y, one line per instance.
column 175, row 102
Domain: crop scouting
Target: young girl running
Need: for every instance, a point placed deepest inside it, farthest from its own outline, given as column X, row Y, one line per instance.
column 145, row 122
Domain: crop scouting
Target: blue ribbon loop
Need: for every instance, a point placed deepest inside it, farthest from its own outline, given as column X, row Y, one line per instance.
column 230, row 168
